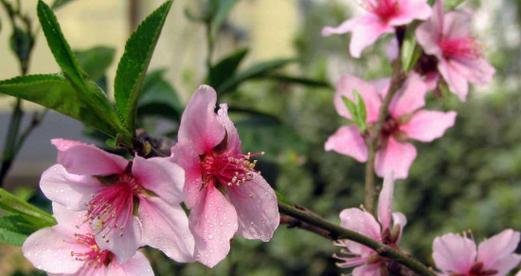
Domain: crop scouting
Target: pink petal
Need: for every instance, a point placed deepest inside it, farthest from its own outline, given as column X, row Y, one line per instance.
column 71, row 221
column 392, row 50
column 348, row 140
column 345, row 27
column 49, row 249
column 401, row 220
column 123, row 242
column 507, row 264
column 385, row 202
column 410, row 10
column 184, row 155
column 199, row 125
column 428, row 36
column 395, row 158
column 453, row 253
column 478, row 71
column 492, row 251
column 161, row 176
column 382, row 87
column 361, row 222
column 346, row 86
column 136, row 266
column 213, row 222
column 455, row 76
column 73, row 191
column 368, row 270
column 233, row 142
column 366, row 30
column 426, row 126
column 431, row 80
column 410, row 97
column 165, row 227
column 257, row 208
column 457, row 24
column 79, row 158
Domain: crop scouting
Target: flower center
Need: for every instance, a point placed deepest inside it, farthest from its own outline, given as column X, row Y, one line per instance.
column 112, row 207
column 95, row 257
column 385, row 9
column 390, row 127
column 477, row 269
column 466, row 47
column 227, row 169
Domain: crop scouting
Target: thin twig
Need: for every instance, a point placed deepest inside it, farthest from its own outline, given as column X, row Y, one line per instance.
column 335, row 232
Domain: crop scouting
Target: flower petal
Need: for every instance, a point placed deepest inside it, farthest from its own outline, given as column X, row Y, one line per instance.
column 199, row 125
column 367, row 270
column 161, row 176
column 257, row 208
column 426, row 126
column 165, row 227
column 345, row 27
column 410, row 10
column 136, row 266
column 457, row 24
column 385, row 202
column 185, row 156
column 493, row 250
column 410, row 97
column 348, row 140
column 366, row 30
column 213, row 222
column 122, row 242
column 79, row 158
column 49, row 249
column 233, row 142
column 395, row 157
column 346, row 87
column 362, row 222
column 506, row 264
column 73, row 191
column 455, row 76
column 454, row 253
column 428, row 35
column 72, row 221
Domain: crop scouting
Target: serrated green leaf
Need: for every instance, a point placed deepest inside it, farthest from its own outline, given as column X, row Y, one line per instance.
column 255, row 71
column 225, row 68
column 159, row 97
column 410, row 51
column 54, row 92
column 60, row 3
column 91, row 95
column 14, row 229
column 13, row 205
column 221, row 10
column 134, row 63
column 95, row 61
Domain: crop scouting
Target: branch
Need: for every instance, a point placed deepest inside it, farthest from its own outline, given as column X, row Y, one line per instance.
column 373, row 140
column 304, row 217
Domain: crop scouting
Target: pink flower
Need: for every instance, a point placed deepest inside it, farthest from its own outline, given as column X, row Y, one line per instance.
column 387, row 229
column 127, row 203
column 224, row 192
column 70, row 248
column 457, row 255
column 381, row 17
column 459, row 57
column 407, row 120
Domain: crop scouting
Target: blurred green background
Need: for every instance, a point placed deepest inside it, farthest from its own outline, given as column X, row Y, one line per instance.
column 468, row 180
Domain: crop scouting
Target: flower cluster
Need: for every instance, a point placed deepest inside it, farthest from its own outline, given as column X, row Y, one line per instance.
column 449, row 55
column 107, row 206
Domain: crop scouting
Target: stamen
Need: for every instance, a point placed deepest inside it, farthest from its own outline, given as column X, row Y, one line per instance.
column 227, row 169
column 466, row 47
column 94, row 257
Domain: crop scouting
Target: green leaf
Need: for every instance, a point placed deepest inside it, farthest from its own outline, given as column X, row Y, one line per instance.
column 54, row 92
column 255, row 71
column 357, row 110
column 134, row 64
column 13, row 205
column 159, row 97
column 96, row 60
column 60, row 3
column 298, row 80
column 453, row 4
column 91, row 95
column 222, row 9
column 21, row 44
column 410, row 51
column 14, row 229
column 225, row 68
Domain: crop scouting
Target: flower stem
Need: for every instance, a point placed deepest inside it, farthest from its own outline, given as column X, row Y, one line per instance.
column 373, row 140
column 336, row 232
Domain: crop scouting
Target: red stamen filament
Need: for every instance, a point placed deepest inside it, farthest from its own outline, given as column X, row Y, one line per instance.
column 461, row 48
column 95, row 257
column 228, row 169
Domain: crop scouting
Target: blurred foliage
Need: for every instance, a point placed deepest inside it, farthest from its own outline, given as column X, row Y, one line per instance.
column 469, row 179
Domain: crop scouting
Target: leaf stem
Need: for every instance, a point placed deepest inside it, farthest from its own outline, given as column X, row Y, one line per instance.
column 310, row 221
